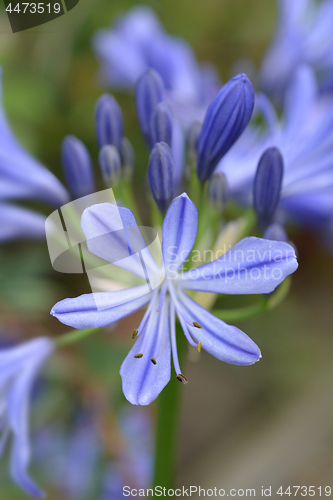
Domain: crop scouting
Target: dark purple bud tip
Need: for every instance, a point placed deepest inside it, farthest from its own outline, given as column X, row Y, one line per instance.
column 77, row 166
column 226, row 118
column 267, row 185
column 108, row 121
column 149, row 92
column 161, row 124
column 161, row 175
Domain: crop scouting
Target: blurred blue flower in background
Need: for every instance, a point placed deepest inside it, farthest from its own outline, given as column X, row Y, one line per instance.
column 305, row 139
column 19, row 367
column 146, row 369
column 136, row 42
column 98, row 465
column 23, row 177
column 304, row 35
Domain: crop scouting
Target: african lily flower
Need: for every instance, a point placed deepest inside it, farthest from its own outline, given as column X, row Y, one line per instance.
column 19, row 367
column 305, row 139
column 252, row 266
column 303, row 36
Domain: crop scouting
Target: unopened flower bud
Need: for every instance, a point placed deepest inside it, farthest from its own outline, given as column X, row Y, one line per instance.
column 161, row 124
column 149, row 93
column 108, row 121
column 267, row 185
column 127, row 159
column 161, row 175
column 226, row 118
column 109, row 163
column 77, row 166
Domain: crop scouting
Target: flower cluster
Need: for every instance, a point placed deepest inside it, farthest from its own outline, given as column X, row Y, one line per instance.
column 212, row 149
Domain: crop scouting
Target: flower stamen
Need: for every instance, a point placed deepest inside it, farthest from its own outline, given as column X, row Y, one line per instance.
column 199, row 347
column 153, row 360
column 138, row 355
column 182, row 379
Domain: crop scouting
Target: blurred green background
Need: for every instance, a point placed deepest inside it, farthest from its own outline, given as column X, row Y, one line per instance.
column 269, row 424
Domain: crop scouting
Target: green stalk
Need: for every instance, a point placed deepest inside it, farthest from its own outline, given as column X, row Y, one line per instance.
column 167, row 424
column 74, row 336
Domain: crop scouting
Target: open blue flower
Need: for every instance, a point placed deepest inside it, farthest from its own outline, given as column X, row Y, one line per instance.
column 19, row 367
column 305, row 140
column 21, row 176
column 304, row 36
column 252, row 266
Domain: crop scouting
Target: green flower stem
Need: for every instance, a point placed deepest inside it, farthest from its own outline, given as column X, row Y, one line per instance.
column 167, row 424
column 74, row 336
column 265, row 304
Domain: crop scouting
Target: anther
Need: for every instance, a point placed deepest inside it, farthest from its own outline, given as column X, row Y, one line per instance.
column 135, row 332
column 138, row 355
column 199, row 346
column 196, row 324
column 182, row 379
column 153, row 360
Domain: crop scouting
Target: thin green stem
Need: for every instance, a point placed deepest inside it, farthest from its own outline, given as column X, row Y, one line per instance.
column 241, row 312
column 167, row 425
column 268, row 302
column 74, row 336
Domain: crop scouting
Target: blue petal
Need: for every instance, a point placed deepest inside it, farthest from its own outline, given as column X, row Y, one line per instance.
column 20, row 223
column 142, row 380
column 21, row 175
column 252, row 266
column 83, row 312
column 179, row 232
column 18, row 407
column 223, row 341
column 301, row 94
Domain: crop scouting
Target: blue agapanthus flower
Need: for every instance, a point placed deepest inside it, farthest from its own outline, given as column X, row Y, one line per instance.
column 19, row 367
column 305, row 140
column 304, row 35
column 23, row 177
column 252, row 266
column 136, row 42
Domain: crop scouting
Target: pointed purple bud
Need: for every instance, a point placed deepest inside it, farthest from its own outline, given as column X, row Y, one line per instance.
column 109, row 163
column 127, row 159
column 108, row 121
column 226, row 118
column 218, row 191
column 77, row 166
column 149, row 93
column 161, row 175
column 161, row 124
column 192, row 141
column 267, row 185
column 276, row 232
